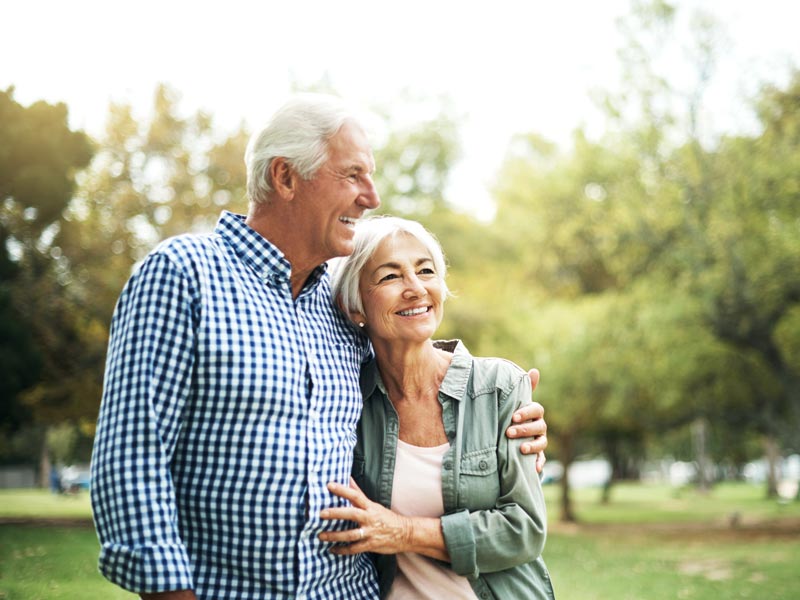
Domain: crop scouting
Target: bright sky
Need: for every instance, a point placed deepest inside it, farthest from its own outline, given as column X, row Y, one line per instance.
column 509, row 66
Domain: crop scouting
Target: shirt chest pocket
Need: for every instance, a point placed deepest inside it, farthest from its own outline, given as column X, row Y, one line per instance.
column 479, row 484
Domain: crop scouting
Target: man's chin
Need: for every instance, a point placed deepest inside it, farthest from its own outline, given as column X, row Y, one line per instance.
column 345, row 248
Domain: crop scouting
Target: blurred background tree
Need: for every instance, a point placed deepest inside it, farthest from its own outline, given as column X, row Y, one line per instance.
column 39, row 159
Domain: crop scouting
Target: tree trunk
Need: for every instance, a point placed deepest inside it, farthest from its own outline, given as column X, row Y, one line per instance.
column 567, row 512
column 773, row 456
column 44, row 466
column 700, row 443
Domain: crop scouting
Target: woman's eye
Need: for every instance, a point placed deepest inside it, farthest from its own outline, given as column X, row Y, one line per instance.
column 427, row 271
column 388, row 277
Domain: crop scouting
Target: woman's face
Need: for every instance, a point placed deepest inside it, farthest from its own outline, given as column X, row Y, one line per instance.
column 401, row 291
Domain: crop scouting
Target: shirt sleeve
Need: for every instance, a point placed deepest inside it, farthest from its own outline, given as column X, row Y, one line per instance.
column 147, row 382
column 514, row 531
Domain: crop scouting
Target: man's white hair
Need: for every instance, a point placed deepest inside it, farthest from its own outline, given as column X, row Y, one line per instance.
column 299, row 132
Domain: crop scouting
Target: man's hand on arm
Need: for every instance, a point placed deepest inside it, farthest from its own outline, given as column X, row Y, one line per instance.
column 528, row 422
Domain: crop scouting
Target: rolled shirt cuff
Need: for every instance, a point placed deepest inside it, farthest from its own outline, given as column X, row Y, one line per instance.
column 151, row 568
column 460, row 542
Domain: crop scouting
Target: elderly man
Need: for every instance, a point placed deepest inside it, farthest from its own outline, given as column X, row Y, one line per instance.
column 231, row 390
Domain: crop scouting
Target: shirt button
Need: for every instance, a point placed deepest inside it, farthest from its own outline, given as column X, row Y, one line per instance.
column 313, row 414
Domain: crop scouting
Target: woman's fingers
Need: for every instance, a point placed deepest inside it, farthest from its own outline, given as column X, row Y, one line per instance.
column 343, row 513
column 354, row 495
column 348, row 536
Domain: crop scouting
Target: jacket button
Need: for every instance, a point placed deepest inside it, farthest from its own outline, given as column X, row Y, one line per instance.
column 448, row 466
column 483, row 465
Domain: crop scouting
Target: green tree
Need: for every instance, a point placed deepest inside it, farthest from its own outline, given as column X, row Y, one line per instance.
column 415, row 156
column 151, row 179
column 619, row 235
column 751, row 253
column 39, row 159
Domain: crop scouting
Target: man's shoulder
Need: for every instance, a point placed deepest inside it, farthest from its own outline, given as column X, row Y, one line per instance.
column 190, row 251
column 187, row 246
column 185, row 256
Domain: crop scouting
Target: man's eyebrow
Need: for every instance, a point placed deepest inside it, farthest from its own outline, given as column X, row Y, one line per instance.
column 358, row 168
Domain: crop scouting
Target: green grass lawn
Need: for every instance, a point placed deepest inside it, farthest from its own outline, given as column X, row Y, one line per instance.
column 34, row 503
column 650, row 543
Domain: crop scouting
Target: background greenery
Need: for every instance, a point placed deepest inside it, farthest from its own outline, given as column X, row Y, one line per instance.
column 653, row 542
column 650, row 270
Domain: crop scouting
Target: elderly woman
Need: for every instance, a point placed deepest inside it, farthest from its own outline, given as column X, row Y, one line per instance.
column 450, row 507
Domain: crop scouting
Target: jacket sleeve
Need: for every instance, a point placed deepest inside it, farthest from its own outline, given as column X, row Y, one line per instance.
column 513, row 532
column 147, row 382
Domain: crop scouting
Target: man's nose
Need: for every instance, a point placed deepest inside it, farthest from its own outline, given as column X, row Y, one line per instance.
column 369, row 197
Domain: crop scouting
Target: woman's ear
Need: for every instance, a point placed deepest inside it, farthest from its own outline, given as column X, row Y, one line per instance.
column 355, row 316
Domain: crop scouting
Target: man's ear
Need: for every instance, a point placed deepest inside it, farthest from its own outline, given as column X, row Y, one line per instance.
column 282, row 176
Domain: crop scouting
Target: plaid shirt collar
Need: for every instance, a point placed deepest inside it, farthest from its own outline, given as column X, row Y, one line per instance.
column 258, row 253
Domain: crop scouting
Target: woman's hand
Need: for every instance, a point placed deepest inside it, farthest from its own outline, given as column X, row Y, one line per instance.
column 379, row 529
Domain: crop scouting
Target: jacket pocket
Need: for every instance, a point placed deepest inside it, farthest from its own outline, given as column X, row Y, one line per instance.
column 479, row 484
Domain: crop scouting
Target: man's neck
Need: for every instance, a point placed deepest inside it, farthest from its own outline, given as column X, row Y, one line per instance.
column 272, row 228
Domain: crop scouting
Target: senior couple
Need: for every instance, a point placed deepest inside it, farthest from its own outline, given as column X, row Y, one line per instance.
column 237, row 371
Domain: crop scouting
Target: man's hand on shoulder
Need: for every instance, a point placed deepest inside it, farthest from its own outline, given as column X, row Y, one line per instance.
column 528, row 422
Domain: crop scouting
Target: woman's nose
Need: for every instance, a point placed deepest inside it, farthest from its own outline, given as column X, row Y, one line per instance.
column 414, row 287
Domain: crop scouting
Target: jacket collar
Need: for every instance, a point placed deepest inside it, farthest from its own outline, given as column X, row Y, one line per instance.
column 454, row 384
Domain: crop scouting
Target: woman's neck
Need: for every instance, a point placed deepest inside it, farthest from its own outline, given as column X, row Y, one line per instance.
column 411, row 372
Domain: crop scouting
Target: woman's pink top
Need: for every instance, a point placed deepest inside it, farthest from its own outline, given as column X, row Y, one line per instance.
column 417, row 491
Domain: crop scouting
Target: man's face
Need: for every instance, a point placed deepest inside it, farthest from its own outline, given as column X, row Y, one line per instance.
column 340, row 192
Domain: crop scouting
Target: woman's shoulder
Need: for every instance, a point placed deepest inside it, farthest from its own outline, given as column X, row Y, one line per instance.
column 497, row 371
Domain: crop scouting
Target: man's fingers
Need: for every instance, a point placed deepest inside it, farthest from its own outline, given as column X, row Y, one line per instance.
column 530, row 430
column 540, row 460
column 534, row 375
column 530, row 412
column 535, row 446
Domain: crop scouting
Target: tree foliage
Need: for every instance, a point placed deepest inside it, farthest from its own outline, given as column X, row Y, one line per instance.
column 39, row 159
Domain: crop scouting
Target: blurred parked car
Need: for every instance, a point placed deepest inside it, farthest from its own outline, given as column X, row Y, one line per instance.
column 75, row 477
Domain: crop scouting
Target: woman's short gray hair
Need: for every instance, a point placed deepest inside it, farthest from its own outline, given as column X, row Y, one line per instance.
column 299, row 132
column 370, row 232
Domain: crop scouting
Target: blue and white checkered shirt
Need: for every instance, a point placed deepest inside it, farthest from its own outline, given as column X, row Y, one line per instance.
column 227, row 407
